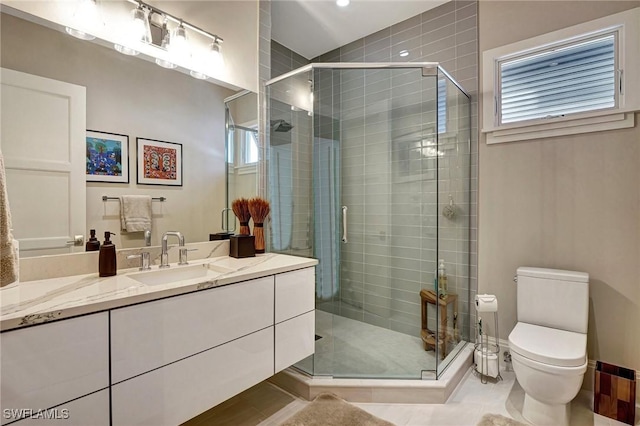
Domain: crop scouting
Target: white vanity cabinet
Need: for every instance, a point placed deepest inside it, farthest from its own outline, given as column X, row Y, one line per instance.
column 294, row 317
column 153, row 334
column 162, row 361
column 180, row 391
column 50, row 364
column 174, row 358
column 90, row 410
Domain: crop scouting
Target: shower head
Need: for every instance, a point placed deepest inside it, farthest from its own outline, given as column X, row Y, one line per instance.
column 280, row 126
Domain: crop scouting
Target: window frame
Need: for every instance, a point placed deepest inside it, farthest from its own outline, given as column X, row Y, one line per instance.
column 626, row 27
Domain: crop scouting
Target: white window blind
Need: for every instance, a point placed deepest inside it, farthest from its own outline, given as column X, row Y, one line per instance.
column 571, row 79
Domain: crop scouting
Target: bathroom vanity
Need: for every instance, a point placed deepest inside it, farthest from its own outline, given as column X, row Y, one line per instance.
column 151, row 348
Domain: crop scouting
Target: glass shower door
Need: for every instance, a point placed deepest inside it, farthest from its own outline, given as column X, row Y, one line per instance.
column 375, row 231
column 363, row 163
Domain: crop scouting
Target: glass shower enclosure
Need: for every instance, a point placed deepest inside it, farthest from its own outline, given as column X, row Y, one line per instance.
column 369, row 172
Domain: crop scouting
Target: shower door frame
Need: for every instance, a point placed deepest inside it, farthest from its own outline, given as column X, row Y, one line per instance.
column 429, row 69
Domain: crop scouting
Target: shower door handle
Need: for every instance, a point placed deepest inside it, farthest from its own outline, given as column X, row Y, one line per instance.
column 225, row 223
column 344, row 224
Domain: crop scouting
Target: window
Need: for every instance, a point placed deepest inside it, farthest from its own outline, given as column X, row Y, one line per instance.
column 242, row 148
column 249, row 148
column 442, row 105
column 566, row 82
column 570, row 79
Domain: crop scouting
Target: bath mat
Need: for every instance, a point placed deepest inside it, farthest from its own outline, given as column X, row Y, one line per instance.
column 329, row 410
column 498, row 420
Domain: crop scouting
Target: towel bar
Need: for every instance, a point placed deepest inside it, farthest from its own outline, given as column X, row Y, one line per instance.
column 105, row 198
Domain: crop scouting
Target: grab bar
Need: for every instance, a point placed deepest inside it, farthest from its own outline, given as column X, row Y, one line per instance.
column 344, row 224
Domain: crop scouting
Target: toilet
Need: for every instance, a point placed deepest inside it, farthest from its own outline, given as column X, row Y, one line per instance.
column 549, row 343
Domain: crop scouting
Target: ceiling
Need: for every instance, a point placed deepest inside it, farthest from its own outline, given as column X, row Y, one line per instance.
column 314, row 27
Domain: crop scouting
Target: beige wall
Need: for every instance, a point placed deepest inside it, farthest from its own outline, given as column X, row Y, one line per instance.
column 139, row 99
column 569, row 202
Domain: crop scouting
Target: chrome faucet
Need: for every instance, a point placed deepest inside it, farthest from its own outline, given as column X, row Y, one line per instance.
column 147, row 237
column 164, row 257
column 145, row 262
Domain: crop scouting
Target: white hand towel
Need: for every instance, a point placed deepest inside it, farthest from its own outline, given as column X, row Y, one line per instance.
column 135, row 213
column 8, row 254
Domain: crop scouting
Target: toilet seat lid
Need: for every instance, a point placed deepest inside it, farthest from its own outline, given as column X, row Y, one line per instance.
column 549, row 345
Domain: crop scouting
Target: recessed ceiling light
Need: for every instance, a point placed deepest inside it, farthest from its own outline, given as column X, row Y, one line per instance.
column 342, row 3
column 404, row 53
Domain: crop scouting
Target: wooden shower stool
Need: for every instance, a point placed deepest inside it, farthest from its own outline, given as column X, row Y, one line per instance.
column 428, row 336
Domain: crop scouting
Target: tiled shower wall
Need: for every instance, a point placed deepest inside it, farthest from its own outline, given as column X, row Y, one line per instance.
column 448, row 35
column 291, row 157
column 264, row 74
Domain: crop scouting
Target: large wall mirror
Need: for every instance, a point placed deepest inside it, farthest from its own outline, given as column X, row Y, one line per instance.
column 242, row 150
column 137, row 99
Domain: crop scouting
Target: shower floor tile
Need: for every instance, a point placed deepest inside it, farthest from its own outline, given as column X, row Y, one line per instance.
column 350, row 348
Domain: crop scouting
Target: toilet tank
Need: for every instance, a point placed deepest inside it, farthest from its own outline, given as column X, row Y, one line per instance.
column 553, row 298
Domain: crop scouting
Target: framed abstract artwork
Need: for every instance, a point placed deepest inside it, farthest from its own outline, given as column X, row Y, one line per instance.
column 159, row 163
column 107, row 157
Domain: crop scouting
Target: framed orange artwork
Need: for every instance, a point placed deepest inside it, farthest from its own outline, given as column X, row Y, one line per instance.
column 159, row 163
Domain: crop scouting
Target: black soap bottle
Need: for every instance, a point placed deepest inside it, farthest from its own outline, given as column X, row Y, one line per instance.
column 93, row 244
column 107, row 260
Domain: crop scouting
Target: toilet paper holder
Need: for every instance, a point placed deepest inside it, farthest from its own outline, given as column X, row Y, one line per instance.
column 487, row 356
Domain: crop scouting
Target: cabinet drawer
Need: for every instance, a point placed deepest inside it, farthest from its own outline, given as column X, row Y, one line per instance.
column 150, row 335
column 46, row 365
column 295, row 293
column 177, row 392
column 295, row 340
column 89, row 410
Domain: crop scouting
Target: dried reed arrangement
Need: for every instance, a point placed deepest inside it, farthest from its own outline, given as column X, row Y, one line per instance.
column 240, row 208
column 259, row 209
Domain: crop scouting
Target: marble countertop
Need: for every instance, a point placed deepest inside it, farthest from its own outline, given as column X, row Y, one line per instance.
column 34, row 302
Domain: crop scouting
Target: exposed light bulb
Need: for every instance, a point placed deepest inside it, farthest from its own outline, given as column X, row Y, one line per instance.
column 86, row 16
column 342, row 3
column 140, row 29
column 198, row 75
column 126, row 50
column 179, row 45
column 216, row 61
column 404, row 53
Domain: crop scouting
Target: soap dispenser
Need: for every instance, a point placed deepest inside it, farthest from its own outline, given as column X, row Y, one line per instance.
column 92, row 244
column 107, row 259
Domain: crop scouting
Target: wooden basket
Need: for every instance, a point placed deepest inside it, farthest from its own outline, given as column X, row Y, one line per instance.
column 615, row 392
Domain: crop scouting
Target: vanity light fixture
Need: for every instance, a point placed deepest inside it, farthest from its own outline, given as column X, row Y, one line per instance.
column 171, row 46
column 179, row 45
column 137, row 31
column 86, row 17
column 140, row 28
column 342, row 3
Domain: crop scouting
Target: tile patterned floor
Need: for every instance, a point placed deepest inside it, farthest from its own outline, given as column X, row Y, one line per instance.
column 267, row 405
column 355, row 349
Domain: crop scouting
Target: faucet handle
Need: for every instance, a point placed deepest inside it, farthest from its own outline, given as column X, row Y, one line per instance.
column 144, row 260
column 183, row 256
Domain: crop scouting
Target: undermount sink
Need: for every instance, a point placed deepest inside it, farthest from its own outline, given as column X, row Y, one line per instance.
column 220, row 269
column 175, row 274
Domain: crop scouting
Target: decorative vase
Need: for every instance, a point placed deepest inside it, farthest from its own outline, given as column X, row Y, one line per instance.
column 240, row 208
column 244, row 229
column 258, row 233
column 259, row 210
